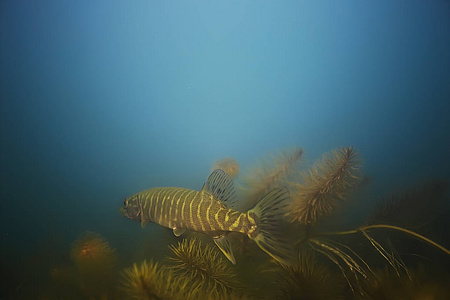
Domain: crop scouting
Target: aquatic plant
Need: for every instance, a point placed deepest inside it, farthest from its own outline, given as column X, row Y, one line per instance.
column 413, row 284
column 228, row 165
column 307, row 279
column 412, row 208
column 228, row 296
column 150, row 281
column 269, row 173
column 199, row 271
column 354, row 268
column 324, row 186
column 92, row 250
column 346, row 258
column 94, row 259
column 204, row 266
column 147, row 281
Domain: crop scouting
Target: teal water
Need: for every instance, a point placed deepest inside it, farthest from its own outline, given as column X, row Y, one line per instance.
column 100, row 100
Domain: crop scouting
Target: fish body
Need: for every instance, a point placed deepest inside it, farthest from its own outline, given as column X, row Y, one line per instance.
column 180, row 208
column 210, row 211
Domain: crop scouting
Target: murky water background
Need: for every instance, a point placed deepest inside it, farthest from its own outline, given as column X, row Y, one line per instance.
column 102, row 100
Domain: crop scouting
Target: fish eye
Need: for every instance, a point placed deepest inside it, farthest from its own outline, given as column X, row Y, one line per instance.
column 125, row 203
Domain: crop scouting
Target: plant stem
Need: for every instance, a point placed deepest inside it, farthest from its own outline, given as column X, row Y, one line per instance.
column 364, row 228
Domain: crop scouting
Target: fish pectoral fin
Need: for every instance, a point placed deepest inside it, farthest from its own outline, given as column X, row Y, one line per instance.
column 225, row 246
column 144, row 223
column 178, row 231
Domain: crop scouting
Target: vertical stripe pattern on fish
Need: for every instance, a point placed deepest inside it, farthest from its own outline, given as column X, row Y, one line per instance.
column 211, row 211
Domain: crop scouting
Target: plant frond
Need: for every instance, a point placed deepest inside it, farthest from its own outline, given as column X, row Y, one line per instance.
column 91, row 252
column 269, row 173
column 344, row 261
column 412, row 208
column 325, row 185
column 204, row 265
column 228, row 165
column 307, row 279
column 391, row 258
column 147, row 281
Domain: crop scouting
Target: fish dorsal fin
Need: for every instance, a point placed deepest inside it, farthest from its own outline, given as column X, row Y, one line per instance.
column 178, row 231
column 220, row 185
column 225, row 246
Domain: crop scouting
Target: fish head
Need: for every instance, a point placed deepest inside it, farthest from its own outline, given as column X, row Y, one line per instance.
column 131, row 208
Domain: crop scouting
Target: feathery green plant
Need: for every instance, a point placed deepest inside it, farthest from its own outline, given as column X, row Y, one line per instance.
column 197, row 270
column 203, row 265
column 307, row 279
column 413, row 284
column 325, row 185
column 269, row 173
column 413, row 208
column 228, row 165
column 147, row 281
column 94, row 260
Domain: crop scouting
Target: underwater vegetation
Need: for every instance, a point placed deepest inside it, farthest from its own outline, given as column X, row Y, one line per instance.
column 228, row 165
column 92, row 251
column 323, row 186
column 412, row 208
column 147, row 281
column 203, row 266
column 94, row 260
column 194, row 270
column 308, row 279
column 412, row 284
column 320, row 192
column 269, row 173
column 393, row 253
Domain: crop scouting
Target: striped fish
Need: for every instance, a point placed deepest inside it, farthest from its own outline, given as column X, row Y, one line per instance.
column 211, row 211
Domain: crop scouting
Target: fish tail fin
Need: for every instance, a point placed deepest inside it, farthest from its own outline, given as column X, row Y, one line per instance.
column 266, row 215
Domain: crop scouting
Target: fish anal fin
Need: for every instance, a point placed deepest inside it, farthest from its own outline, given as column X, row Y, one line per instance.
column 178, row 231
column 225, row 246
column 220, row 185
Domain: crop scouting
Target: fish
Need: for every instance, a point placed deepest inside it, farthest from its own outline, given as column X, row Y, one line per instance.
column 212, row 211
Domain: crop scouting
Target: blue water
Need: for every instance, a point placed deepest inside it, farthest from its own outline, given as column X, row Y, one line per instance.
column 102, row 99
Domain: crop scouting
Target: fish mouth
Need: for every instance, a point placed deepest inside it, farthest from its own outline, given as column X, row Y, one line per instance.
column 123, row 211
